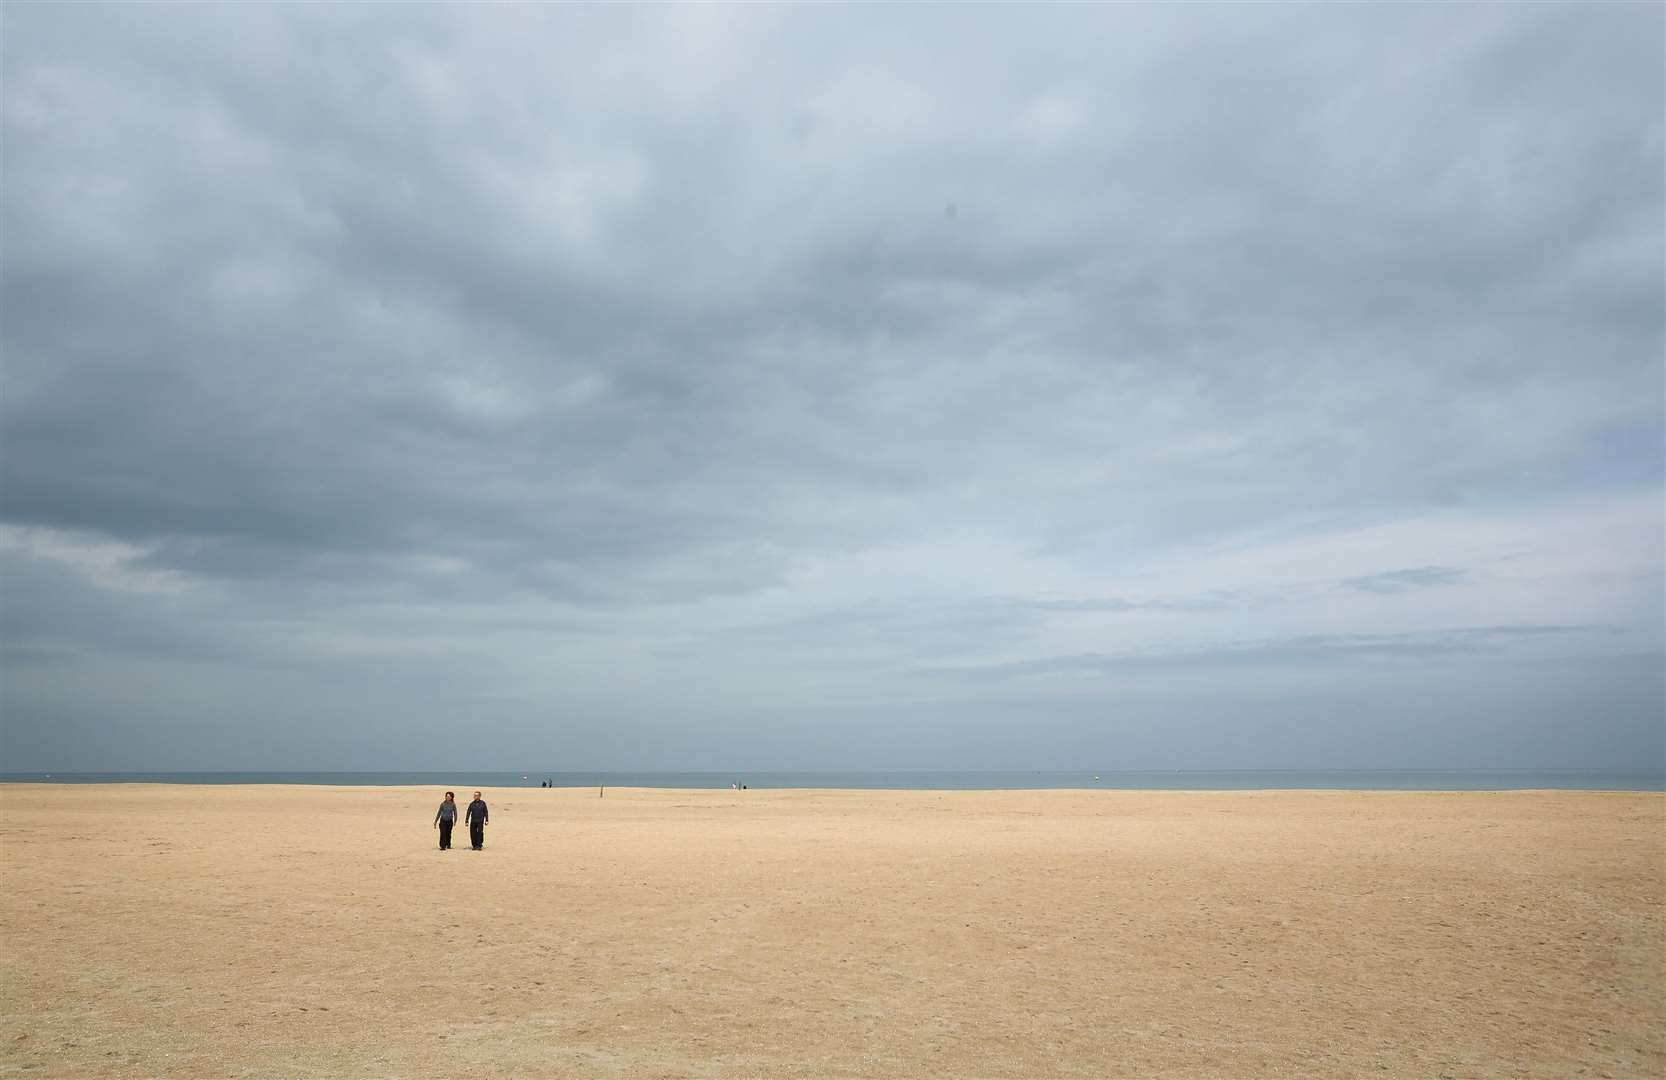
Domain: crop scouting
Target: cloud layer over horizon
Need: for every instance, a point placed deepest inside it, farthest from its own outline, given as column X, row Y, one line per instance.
column 736, row 387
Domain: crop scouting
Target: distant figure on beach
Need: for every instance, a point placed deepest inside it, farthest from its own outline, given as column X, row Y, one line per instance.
column 476, row 818
column 446, row 818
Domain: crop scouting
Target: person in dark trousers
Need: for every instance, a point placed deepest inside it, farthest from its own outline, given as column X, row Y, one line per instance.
column 445, row 819
column 476, row 817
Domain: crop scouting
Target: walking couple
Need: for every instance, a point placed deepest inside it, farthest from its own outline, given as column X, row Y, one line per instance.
column 475, row 818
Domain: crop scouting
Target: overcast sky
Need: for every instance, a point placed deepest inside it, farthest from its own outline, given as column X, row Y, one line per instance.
column 832, row 387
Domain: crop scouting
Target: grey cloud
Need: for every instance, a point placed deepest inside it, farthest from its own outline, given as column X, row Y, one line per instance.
column 917, row 628
column 1214, row 600
column 303, row 302
column 711, row 378
column 1393, row 581
column 1303, row 650
column 51, row 613
column 883, row 633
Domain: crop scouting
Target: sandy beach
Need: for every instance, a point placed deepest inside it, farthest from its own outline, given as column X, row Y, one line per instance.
column 318, row 932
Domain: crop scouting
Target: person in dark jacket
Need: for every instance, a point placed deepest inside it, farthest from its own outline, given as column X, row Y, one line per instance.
column 445, row 819
column 476, row 817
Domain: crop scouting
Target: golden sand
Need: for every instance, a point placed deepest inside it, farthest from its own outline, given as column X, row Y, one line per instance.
column 318, row 932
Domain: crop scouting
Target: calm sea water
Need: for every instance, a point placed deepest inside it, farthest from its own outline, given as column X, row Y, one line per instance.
column 1363, row 780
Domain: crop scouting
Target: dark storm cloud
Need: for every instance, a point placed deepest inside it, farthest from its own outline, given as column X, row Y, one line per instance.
column 353, row 322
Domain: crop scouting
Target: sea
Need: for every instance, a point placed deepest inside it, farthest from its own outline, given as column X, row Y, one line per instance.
column 1082, row 779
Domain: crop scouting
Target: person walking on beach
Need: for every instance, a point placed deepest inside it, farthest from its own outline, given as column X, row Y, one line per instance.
column 445, row 819
column 476, row 817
